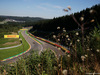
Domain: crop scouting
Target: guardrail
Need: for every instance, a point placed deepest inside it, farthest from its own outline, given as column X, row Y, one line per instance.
column 63, row 48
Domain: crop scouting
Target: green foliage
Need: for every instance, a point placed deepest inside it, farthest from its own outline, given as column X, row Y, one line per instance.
column 33, row 64
column 3, row 41
column 95, row 38
column 46, row 64
column 14, row 51
column 8, row 28
column 48, row 61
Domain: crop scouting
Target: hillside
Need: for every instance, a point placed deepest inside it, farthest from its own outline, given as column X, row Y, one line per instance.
column 29, row 19
column 68, row 23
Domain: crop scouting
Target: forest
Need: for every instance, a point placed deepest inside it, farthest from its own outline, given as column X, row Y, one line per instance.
column 67, row 21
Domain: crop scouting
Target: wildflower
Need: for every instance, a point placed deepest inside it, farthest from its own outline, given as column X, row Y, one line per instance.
column 58, row 39
column 64, row 72
column 92, row 55
column 20, row 40
column 94, row 73
column 68, row 39
column 64, row 30
column 58, row 27
column 91, row 49
column 11, row 65
column 39, row 65
column 78, row 40
column 59, row 65
column 71, row 43
column 5, row 72
column 54, row 36
column 86, row 55
column 69, row 7
column 77, row 33
column 67, row 36
column 68, row 55
column 82, row 18
column 88, row 49
column 92, row 20
column 98, row 50
column 59, row 48
column 91, row 11
column 65, row 10
column 82, row 57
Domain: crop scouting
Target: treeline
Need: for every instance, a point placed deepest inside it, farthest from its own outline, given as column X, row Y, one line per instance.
column 9, row 27
column 68, row 23
column 27, row 19
column 32, row 23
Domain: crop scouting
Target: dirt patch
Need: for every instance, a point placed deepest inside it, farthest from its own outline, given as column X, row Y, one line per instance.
column 12, row 43
column 13, row 33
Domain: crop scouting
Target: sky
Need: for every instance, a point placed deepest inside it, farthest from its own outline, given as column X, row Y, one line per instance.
column 43, row 8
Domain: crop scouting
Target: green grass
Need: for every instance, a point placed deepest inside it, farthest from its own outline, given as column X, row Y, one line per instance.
column 5, row 40
column 14, row 51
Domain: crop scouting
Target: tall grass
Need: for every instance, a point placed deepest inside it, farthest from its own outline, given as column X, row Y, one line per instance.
column 78, row 62
column 44, row 64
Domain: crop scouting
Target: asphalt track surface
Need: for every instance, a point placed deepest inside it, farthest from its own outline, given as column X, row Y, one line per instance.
column 35, row 46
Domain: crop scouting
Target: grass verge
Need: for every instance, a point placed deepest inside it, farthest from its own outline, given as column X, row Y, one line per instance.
column 8, row 42
column 14, row 51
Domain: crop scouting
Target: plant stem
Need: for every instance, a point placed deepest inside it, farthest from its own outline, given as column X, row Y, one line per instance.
column 82, row 30
column 57, row 65
column 61, row 65
column 16, row 69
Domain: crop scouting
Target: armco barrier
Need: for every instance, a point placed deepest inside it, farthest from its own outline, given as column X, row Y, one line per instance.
column 51, row 43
